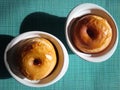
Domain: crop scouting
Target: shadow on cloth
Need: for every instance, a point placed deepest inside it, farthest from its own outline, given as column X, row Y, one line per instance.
column 4, row 39
column 40, row 21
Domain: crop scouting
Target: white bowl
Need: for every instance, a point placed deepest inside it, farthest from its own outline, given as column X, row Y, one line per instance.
column 57, row 74
column 89, row 8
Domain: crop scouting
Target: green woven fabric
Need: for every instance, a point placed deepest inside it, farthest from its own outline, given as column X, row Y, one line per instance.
column 18, row 16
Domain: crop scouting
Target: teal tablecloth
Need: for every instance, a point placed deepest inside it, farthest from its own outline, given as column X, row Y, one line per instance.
column 18, row 16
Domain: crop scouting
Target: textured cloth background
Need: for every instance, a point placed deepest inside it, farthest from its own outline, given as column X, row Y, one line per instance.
column 18, row 16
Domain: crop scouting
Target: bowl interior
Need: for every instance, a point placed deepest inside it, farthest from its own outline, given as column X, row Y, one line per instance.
column 14, row 71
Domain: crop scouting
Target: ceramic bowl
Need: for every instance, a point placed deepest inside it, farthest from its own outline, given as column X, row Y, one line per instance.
column 90, row 8
column 59, row 70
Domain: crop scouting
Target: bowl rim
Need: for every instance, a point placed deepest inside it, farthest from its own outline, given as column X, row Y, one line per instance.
column 87, row 57
column 60, row 75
